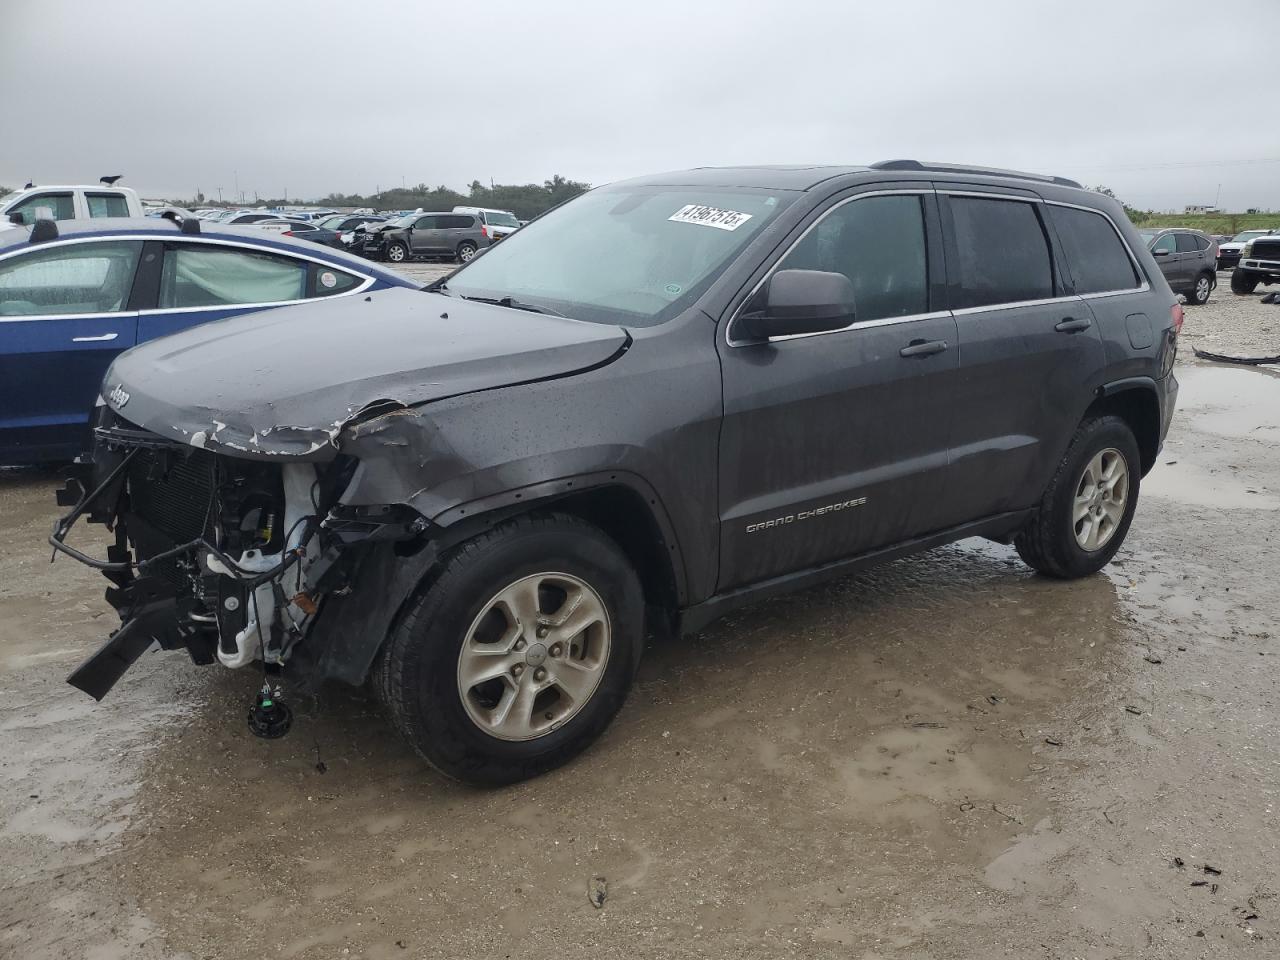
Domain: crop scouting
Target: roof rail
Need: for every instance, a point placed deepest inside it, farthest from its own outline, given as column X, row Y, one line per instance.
column 43, row 230
column 187, row 221
column 962, row 168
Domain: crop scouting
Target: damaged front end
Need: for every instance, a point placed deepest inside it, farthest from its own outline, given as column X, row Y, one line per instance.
column 230, row 558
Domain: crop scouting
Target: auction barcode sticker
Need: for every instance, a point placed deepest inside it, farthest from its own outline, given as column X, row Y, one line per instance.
column 710, row 216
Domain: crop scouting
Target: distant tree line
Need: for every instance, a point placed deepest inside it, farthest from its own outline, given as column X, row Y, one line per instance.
column 1135, row 215
column 524, row 200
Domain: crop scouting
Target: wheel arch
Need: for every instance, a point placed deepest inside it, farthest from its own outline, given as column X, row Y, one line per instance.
column 345, row 644
column 1137, row 403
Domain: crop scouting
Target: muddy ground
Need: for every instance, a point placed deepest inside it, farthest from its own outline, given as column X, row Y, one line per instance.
column 947, row 757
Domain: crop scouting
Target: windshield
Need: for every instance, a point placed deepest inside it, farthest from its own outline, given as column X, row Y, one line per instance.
column 626, row 255
column 332, row 223
column 408, row 220
column 1147, row 235
column 1248, row 235
column 500, row 219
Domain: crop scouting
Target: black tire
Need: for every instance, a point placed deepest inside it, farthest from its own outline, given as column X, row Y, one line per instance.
column 1243, row 283
column 1048, row 542
column 397, row 252
column 1199, row 294
column 466, row 250
column 416, row 676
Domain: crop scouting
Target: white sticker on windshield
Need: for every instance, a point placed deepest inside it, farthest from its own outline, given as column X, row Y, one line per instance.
column 710, row 216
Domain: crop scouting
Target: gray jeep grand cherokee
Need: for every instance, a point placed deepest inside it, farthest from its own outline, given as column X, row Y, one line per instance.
column 669, row 397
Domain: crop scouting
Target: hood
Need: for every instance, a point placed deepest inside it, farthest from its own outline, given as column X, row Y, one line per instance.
column 1231, row 246
column 285, row 382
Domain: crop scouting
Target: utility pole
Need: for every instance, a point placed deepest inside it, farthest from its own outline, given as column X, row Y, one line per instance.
column 1218, row 196
column 236, row 175
column 219, row 189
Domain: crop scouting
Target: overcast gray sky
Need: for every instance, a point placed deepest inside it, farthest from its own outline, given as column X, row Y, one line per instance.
column 312, row 95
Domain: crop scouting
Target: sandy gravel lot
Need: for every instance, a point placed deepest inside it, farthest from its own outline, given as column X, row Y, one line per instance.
column 944, row 758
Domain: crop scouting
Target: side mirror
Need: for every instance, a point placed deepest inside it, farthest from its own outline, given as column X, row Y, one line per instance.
column 1161, row 253
column 797, row 301
column 16, row 217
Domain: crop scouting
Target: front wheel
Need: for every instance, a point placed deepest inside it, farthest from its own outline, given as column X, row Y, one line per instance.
column 397, row 252
column 1199, row 294
column 1085, row 512
column 1243, row 283
column 520, row 652
column 466, row 250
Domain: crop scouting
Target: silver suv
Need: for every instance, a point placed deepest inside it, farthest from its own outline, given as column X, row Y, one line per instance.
column 452, row 235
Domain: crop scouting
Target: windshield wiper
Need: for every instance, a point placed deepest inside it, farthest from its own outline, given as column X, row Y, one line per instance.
column 514, row 304
column 438, row 286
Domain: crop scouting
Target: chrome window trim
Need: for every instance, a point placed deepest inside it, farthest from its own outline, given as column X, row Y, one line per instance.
column 857, row 324
column 364, row 285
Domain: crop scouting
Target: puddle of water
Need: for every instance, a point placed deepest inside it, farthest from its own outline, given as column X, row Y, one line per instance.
column 1188, row 483
column 1231, row 401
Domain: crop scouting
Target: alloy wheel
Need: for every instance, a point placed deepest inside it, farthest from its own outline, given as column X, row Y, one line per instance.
column 1101, row 497
column 534, row 656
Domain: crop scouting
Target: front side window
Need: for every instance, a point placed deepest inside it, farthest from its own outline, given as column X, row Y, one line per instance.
column 330, row 281
column 425, row 223
column 107, row 205
column 1003, row 253
column 69, row 279
column 208, row 276
column 60, row 207
column 1166, row 244
column 1186, row 243
column 879, row 244
column 632, row 255
column 1095, row 254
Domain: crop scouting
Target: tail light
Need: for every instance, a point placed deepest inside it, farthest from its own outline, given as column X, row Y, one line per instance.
column 484, row 232
column 1177, row 318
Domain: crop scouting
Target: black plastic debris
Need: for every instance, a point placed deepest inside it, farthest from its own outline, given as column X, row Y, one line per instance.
column 1223, row 358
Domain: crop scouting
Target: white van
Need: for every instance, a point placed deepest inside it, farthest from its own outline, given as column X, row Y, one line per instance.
column 76, row 202
column 497, row 223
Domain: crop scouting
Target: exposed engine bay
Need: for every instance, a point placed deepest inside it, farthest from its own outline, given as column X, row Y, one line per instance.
column 228, row 558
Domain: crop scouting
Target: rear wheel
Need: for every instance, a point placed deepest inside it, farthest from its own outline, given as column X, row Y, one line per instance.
column 519, row 654
column 466, row 250
column 397, row 252
column 1243, row 283
column 1199, row 294
column 1085, row 512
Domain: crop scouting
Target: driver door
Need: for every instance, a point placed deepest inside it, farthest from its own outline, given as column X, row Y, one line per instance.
column 836, row 444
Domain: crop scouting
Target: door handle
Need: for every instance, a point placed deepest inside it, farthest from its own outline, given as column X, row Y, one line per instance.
column 923, row 348
column 104, row 337
column 1073, row 325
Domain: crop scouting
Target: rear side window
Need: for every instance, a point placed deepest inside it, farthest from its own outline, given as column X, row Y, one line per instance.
column 458, row 221
column 879, row 244
column 1004, row 257
column 107, row 205
column 1187, row 243
column 1095, row 254
column 59, row 205
column 205, row 276
column 329, row 281
column 69, row 279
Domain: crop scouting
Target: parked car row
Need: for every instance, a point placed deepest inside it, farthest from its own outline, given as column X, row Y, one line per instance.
column 1187, row 258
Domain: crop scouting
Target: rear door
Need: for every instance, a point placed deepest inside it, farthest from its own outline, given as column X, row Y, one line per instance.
column 1028, row 351
column 65, row 313
column 836, row 444
column 106, row 203
column 1192, row 258
column 192, row 282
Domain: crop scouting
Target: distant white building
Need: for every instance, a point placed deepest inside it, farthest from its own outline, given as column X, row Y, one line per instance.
column 1200, row 208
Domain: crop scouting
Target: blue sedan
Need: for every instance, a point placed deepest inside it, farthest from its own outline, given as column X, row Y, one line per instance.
column 74, row 294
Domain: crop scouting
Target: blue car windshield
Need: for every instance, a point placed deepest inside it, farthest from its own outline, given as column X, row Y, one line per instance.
column 628, row 255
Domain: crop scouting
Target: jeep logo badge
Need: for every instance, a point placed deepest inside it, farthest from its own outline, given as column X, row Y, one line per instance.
column 118, row 395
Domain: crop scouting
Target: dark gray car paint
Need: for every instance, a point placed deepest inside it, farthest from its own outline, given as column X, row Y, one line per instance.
column 497, row 409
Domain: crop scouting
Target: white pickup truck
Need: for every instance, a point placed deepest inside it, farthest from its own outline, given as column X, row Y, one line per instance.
column 75, row 202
